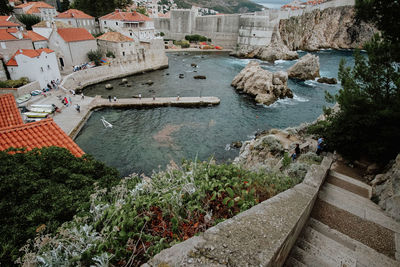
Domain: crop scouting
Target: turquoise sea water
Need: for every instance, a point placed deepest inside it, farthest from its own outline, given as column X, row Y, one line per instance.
column 145, row 139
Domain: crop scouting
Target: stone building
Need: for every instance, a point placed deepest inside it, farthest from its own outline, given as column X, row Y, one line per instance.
column 38, row 40
column 78, row 19
column 40, row 9
column 45, row 28
column 38, row 65
column 72, row 46
column 117, row 43
column 131, row 24
column 10, row 41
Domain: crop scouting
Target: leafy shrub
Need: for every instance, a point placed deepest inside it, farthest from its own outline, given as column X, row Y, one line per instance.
column 110, row 54
column 297, row 170
column 196, row 38
column 95, row 56
column 182, row 43
column 141, row 216
column 29, row 20
column 272, row 144
column 14, row 83
column 41, row 189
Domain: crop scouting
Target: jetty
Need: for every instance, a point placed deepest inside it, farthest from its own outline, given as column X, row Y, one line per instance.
column 71, row 121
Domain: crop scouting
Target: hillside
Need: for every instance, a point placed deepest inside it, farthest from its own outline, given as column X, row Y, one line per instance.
column 222, row 6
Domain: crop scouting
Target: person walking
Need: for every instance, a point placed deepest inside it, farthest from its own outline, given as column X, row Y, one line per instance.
column 296, row 153
column 320, row 145
column 78, row 108
column 83, row 97
column 109, row 98
column 115, row 99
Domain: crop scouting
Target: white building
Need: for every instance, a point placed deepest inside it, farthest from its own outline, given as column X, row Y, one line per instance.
column 72, row 46
column 40, row 9
column 37, row 65
column 117, row 43
column 78, row 19
column 130, row 24
column 45, row 28
column 10, row 41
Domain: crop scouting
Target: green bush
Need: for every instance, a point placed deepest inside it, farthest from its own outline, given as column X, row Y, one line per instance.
column 14, row 83
column 110, row 54
column 41, row 189
column 196, row 38
column 141, row 216
column 182, row 43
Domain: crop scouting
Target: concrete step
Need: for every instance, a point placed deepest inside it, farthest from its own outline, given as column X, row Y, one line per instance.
column 292, row 262
column 350, row 184
column 306, row 258
column 330, row 247
column 317, row 253
column 359, row 206
column 362, row 254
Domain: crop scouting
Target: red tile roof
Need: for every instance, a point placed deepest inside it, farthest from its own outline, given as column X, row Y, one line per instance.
column 126, row 16
column 75, row 34
column 9, row 112
column 34, row 7
column 29, row 53
column 43, row 133
column 35, row 37
column 4, row 18
column 73, row 13
column 4, row 23
column 114, row 37
column 6, row 36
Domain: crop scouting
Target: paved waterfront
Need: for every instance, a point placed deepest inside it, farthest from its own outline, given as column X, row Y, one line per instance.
column 70, row 120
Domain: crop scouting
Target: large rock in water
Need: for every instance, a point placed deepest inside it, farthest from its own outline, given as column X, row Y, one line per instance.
column 266, row 86
column 307, row 68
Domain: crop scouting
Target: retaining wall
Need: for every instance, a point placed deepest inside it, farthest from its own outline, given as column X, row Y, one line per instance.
column 152, row 59
column 23, row 90
column 260, row 236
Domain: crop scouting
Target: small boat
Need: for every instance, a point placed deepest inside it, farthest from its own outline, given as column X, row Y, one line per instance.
column 36, row 114
column 42, row 110
column 41, row 106
column 36, row 92
column 23, row 98
column 106, row 123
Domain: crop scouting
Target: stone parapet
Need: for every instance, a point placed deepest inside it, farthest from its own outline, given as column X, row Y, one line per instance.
column 260, row 236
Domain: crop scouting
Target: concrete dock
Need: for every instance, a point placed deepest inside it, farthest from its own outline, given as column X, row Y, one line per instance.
column 71, row 121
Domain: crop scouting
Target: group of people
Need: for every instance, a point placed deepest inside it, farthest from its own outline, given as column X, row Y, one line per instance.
column 109, row 98
column 320, row 148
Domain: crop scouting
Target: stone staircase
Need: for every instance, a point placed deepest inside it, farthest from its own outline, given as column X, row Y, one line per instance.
column 346, row 229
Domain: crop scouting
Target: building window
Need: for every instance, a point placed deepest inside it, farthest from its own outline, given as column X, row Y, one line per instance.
column 69, row 22
column 122, row 45
column 105, row 22
column 116, row 23
column 48, row 67
column 130, row 34
column 123, row 53
column 3, row 45
column 41, row 69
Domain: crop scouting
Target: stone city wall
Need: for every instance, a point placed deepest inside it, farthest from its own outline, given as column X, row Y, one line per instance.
column 260, row 236
column 230, row 31
column 151, row 59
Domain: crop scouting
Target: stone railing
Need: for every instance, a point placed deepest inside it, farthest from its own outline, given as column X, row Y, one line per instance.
column 260, row 236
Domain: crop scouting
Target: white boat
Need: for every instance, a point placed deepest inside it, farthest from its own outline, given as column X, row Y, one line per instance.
column 36, row 114
column 23, row 98
column 41, row 106
column 106, row 123
column 42, row 110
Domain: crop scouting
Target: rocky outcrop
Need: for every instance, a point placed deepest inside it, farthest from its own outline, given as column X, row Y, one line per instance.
column 329, row 28
column 327, row 80
column 307, row 68
column 386, row 188
column 266, row 86
column 276, row 50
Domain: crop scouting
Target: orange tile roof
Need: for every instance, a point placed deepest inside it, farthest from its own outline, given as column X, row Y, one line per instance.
column 5, row 35
column 115, row 37
column 35, row 37
column 4, row 23
column 43, row 133
column 75, row 34
column 34, row 7
column 29, row 53
column 126, row 16
column 4, row 18
column 9, row 112
column 73, row 13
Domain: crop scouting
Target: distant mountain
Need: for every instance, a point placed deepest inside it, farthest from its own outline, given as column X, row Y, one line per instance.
column 222, row 6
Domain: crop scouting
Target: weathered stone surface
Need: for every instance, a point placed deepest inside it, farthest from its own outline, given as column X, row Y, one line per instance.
column 329, row 28
column 266, row 86
column 108, row 86
column 327, row 80
column 386, row 188
column 307, row 68
column 276, row 50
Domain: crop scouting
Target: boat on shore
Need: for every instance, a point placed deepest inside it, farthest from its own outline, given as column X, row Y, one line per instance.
column 36, row 114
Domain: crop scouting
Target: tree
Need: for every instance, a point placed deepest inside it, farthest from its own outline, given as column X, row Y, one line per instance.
column 99, row 8
column 95, row 56
column 64, row 6
column 29, row 20
column 142, row 10
column 41, row 189
column 5, row 8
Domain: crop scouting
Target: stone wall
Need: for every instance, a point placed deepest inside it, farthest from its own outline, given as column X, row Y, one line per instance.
column 151, row 59
column 23, row 90
column 260, row 236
